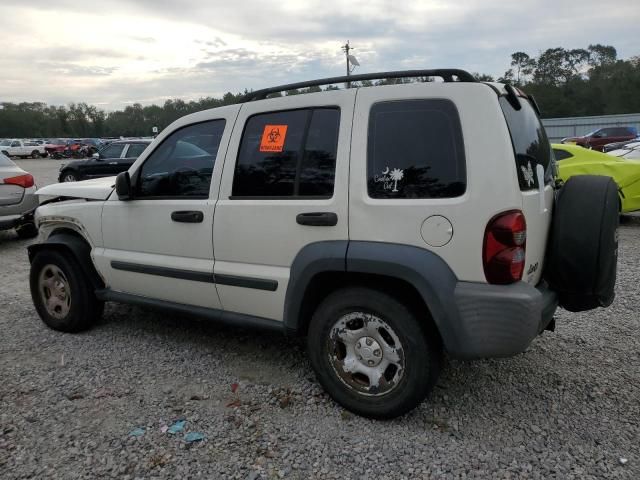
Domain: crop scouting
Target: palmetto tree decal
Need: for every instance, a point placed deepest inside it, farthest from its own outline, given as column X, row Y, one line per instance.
column 396, row 175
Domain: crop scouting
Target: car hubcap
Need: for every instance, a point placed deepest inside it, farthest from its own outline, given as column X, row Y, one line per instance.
column 366, row 354
column 55, row 292
column 69, row 178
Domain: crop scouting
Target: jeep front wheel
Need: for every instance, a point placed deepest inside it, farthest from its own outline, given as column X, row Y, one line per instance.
column 61, row 293
column 371, row 354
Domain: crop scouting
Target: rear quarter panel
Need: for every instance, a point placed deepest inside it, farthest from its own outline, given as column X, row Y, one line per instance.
column 492, row 185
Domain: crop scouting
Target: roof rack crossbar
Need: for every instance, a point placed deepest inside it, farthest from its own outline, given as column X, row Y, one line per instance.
column 447, row 74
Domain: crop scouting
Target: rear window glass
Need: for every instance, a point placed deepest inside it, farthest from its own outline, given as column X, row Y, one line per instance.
column 4, row 161
column 135, row 149
column 415, row 150
column 530, row 143
column 561, row 154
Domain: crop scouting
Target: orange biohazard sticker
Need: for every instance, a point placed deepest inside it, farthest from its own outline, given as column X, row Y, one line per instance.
column 273, row 138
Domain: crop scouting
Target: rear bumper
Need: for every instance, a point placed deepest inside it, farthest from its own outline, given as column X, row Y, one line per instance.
column 500, row 320
column 12, row 221
column 12, row 216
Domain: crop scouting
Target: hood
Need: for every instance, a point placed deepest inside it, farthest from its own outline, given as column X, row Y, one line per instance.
column 96, row 189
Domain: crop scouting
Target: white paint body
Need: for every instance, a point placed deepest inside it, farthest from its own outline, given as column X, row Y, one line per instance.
column 260, row 238
column 20, row 148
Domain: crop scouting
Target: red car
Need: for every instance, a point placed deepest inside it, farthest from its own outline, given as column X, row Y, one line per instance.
column 598, row 139
column 55, row 145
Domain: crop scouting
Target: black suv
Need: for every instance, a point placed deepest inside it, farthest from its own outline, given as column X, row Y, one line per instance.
column 111, row 160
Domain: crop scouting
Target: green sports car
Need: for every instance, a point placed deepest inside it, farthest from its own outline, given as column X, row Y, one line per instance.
column 573, row 160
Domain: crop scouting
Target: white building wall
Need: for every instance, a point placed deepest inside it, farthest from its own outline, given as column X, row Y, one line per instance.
column 559, row 128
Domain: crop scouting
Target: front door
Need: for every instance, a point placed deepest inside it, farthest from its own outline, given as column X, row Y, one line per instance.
column 159, row 244
column 129, row 156
column 103, row 166
column 284, row 186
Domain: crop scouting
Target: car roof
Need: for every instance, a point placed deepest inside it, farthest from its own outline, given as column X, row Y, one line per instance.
column 133, row 140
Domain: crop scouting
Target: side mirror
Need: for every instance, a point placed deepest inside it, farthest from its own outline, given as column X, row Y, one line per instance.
column 123, row 186
column 96, row 156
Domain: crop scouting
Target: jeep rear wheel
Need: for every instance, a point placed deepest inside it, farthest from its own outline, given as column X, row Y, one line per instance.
column 61, row 292
column 371, row 354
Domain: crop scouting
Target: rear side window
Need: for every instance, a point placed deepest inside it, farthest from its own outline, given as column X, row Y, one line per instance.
column 288, row 154
column 530, row 143
column 135, row 149
column 415, row 150
column 561, row 154
column 5, row 162
column 113, row 151
column 624, row 131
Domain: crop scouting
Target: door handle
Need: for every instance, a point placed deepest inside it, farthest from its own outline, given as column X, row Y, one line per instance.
column 317, row 219
column 187, row 216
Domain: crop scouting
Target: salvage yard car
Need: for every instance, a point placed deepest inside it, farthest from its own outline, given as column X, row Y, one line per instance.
column 386, row 224
column 597, row 139
column 21, row 148
column 18, row 200
column 573, row 160
column 111, row 160
column 630, row 151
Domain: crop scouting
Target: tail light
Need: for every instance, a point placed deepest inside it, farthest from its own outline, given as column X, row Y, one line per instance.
column 504, row 248
column 25, row 181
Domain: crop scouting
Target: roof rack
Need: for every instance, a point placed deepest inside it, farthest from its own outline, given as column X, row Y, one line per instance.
column 447, row 74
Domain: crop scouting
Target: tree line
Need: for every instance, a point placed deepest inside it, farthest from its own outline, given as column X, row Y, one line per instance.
column 565, row 82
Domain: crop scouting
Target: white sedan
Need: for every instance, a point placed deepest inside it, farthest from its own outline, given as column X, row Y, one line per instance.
column 631, row 151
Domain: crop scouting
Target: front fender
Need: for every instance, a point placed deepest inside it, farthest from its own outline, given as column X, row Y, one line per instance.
column 75, row 246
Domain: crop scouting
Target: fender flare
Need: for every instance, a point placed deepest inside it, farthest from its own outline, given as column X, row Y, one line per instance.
column 311, row 260
column 429, row 274
column 74, row 245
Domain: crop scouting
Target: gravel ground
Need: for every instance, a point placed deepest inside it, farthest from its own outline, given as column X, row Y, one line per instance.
column 567, row 408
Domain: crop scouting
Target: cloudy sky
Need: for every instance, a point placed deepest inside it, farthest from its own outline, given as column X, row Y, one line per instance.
column 114, row 52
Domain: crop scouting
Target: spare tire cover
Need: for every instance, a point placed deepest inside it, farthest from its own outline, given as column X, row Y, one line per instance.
column 583, row 247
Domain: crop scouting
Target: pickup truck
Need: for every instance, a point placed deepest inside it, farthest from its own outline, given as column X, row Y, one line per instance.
column 22, row 148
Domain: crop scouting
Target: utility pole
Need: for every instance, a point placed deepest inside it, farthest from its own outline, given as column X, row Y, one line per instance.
column 345, row 48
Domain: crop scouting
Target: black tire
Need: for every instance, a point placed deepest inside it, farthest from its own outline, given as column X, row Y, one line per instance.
column 84, row 309
column 421, row 351
column 583, row 247
column 6, row 154
column 69, row 176
column 35, row 154
column 27, row 230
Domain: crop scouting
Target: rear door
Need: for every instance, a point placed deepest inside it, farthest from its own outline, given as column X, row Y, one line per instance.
column 129, row 156
column 531, row 149
column 288, row 165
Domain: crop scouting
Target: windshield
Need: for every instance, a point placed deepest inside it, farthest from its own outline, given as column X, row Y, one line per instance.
column 531, row 146
column 5, row 143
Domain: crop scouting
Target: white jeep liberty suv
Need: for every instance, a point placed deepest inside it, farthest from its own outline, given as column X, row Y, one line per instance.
column 387, row 224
